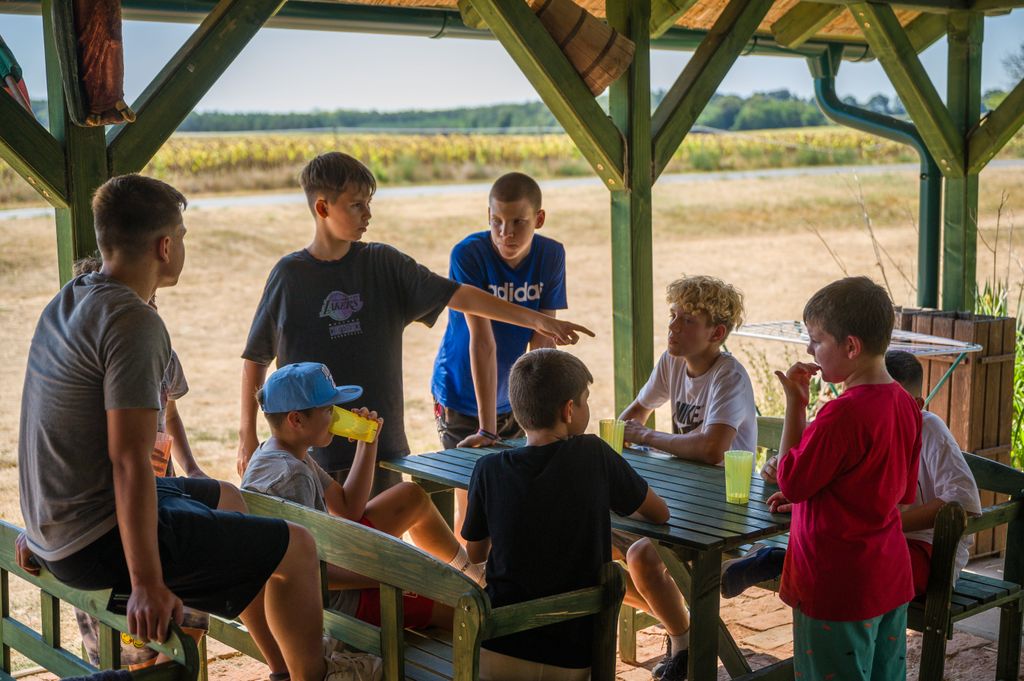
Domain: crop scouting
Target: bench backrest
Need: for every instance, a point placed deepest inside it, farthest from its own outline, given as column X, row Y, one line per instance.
column 769, row 433
column 401, row 567
column 44, row 648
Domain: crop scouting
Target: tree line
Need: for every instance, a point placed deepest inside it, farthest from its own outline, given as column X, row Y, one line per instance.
column 760, row 111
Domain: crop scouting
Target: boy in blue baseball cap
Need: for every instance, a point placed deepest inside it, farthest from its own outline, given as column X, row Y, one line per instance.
column 297, row 401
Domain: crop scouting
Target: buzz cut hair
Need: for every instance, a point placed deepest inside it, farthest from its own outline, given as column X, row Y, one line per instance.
column 906, row 370
column 330, row 174
column 515, row 187
column 543, row 380
column 854, row 306
column 129, row 211
column 719, row 302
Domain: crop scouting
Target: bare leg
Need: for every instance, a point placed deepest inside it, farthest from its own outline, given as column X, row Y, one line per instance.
column 656, row 586
column 461, row 502
column 294, row 611
column 254, row 617
column 407, row 508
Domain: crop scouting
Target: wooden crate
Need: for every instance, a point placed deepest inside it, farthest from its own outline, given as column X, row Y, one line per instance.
column 976, row 402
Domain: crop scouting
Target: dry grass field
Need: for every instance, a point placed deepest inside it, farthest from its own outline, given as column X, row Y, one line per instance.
column 753, row 233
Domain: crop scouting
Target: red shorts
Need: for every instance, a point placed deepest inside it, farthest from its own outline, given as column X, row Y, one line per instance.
column 920, row 563
column 417, row 610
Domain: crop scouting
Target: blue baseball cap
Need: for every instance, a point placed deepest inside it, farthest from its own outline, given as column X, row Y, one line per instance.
column 304, row 385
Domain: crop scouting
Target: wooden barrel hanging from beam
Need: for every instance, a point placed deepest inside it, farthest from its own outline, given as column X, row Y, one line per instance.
column 599, row 53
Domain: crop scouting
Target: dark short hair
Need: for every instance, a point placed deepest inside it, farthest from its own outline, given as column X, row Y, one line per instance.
column 514, row 187
column 329, row 174
column 275, row 419
column 89, row 263
column 129, row 210
column 854, row 306
column 906, row 370
column 542, row 381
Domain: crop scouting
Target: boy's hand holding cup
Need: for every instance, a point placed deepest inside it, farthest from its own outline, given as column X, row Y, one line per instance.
column 370, row 416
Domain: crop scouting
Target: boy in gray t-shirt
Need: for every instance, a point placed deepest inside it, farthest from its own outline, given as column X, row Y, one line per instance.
column 297, row 401
column 95, row 515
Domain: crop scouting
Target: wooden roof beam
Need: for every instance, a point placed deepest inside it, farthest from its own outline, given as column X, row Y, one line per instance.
column 805, row 19
column 925, row 29
column 665, row 14
column 558, row 84
column 32, row 151
column 896, row 54
column 185, row 79
column 995, row 130
column 702, row 75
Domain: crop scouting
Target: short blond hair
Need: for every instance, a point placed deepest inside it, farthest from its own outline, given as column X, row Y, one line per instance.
column 719, row 302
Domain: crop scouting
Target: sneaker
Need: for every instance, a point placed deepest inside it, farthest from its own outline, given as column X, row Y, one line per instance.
column 673, row 668
column 354, row 667
column 759, row 565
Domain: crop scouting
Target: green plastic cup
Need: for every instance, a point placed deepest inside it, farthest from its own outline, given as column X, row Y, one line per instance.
column 612, row 431
column 739, row 468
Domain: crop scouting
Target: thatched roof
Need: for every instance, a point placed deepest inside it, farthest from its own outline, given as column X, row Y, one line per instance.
column 700, row 16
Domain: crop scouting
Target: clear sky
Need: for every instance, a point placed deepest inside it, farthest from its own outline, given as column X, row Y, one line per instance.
column 290, row 70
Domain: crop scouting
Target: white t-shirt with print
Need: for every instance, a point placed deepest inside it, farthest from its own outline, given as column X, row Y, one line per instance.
column 944, row 474
column 722, row 394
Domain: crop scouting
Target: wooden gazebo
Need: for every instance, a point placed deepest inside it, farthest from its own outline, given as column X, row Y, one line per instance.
column 628, row 149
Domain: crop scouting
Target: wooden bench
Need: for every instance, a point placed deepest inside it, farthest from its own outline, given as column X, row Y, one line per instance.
column 946, row 603
column 44, row 647
column 430, row 655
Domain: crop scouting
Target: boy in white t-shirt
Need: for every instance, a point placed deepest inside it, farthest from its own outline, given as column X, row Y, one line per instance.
column 713, row 411
column 943, row 477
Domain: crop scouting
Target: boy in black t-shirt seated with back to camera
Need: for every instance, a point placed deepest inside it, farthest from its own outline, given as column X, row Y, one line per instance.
column 539, row 515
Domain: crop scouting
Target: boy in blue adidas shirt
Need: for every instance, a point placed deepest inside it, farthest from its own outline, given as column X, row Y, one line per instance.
column 512, row 262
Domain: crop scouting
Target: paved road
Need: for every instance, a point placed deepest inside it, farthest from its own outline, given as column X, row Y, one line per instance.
column 285, row 198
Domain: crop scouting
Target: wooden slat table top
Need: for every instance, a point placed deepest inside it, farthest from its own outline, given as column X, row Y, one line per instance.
column 701, row 519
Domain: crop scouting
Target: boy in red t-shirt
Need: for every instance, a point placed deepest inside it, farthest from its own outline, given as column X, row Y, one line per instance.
column 847, row 573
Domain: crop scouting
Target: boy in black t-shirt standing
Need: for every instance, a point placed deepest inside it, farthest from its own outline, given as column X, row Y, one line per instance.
column 539, row 515
column 346, row 303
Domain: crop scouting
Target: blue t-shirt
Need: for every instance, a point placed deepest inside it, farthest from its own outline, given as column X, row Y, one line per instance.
column 537, row 283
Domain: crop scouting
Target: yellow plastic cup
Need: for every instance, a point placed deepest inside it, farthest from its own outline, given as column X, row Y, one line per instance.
column 612, row 432
column 739, row 468
column 347, row 424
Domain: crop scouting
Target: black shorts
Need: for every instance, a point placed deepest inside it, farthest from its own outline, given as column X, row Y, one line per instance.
column 214, row 561
column 453, row 427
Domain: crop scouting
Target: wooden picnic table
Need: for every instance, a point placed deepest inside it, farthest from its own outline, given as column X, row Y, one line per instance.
column 701, row 528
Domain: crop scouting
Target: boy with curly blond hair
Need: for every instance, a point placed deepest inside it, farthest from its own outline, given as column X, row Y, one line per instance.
column 712, row 411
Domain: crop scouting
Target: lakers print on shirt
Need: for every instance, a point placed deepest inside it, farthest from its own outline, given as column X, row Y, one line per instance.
column 339, row 307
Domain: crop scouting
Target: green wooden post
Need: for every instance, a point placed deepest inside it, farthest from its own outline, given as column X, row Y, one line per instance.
column 392, row 649
column 85, row 158
column 5, row 612
column 49, row 611
column 702, row 75
column 556, row 81
column 897, row 55
column 183, row 81
column 960, row 225
column 632, row 276
column 32, row 152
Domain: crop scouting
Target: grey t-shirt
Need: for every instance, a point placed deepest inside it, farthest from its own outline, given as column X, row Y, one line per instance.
column 350, row 315
column 280, row 474
column 97, row 347
column 173, row 386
